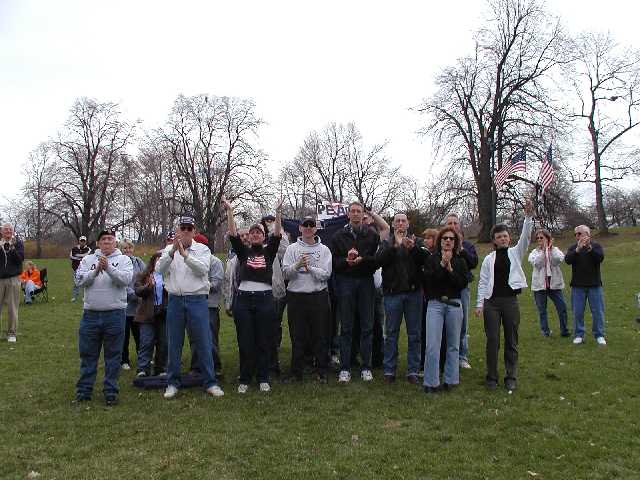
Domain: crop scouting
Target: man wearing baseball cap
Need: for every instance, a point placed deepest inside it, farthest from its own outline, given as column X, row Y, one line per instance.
column 78, row 252
column 104, row 275
column 185, row 267
column 307, row 267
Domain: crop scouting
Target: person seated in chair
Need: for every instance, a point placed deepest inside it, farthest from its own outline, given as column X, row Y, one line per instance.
column 30, row 280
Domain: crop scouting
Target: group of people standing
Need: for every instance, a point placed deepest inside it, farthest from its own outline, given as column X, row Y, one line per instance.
column 423, row 281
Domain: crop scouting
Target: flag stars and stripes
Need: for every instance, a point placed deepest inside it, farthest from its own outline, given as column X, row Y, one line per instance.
column 517, row 163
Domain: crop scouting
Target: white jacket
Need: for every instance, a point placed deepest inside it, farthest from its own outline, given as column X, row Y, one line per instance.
column 315, row 278
column 106, row 290
column 542, row 268
column 186, row 276
column 517, row 278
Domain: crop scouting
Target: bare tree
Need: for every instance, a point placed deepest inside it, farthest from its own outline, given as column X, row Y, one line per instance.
column 605, row 73
column 497, row 100
column 337, row 166
column 37, row 194
column 88, row 166
column 211, row 142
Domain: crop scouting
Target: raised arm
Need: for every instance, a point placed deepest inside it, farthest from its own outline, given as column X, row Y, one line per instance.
column 231, row 222
column 277, row 227
column 381, row 223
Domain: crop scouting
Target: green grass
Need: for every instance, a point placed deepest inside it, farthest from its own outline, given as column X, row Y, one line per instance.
column 575, row 415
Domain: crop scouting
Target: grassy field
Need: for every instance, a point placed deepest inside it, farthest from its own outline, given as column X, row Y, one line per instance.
column 575, row 415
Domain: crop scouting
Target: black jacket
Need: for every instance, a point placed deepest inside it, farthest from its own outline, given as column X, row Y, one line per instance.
column 11, row 258
column 585, row 265
column 401, row 268
column 363, row 239
column 441, row 281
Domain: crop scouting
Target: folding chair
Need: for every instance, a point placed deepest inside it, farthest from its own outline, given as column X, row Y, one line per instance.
column 41, row 294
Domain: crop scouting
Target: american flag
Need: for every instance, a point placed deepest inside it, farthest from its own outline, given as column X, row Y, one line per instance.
column 545, row 178
column 257, row 262
column 517, row 163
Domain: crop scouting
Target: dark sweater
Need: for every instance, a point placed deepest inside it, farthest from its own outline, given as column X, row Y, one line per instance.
column 255, row 263
column 365, row 240
column 585, row 265
column 401, row 268
column 442, row 282
column 11, row 258
column 501, row 268
column 470, row 256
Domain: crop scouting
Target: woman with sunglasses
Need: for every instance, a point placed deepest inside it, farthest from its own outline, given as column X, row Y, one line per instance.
column 254, row 308
column 547, row 281
column 446, row 272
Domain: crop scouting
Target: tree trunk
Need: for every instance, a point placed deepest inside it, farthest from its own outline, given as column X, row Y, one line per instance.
column 603, row 228
column 485, row 208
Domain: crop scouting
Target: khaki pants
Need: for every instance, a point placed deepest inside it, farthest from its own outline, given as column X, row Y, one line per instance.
column 10, row 295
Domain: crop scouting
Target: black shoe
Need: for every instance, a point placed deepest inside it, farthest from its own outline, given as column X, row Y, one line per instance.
column 431, row 390
column 566, row 334
column 448, row 387
column 110, row 400
column 510, row 384
column 491, row 384
column 322, row 378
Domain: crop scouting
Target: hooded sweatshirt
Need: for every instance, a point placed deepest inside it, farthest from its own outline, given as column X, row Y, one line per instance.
column 107, row 289
column 301, row 280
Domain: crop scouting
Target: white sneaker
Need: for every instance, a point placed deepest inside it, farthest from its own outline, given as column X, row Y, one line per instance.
column 12, row 339
column 265, row 387
column 344, row 376
column 170, row 392
column 366, row 375
column 73, row 299
column 215, row 391
column 465, row 364
column 601, row 341
column 578, row 341
column 243, row 388
column 126, row 366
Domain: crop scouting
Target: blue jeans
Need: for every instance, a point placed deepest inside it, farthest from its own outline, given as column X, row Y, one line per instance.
column 192, row 312
column 29, row 288
column 254, row 314
column 540, row 297
column 439, row 314
column 147, row 342
column 98, row 329
column 409, row 304
column 465, row 298
column 579, row 297
column 355, row 295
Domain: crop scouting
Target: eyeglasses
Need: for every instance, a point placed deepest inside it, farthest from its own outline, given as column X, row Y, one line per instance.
column 449, row 238
column 186, row 227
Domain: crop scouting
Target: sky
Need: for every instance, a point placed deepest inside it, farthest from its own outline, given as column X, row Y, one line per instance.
column 305, row 64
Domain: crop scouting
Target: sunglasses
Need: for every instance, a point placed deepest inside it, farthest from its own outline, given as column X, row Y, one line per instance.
column 188, row 228
column 308, row 224
column 540, row 238
column 449, row 238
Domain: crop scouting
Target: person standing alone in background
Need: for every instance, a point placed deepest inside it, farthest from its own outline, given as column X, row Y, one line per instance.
column 11, row 259
column 77, row 254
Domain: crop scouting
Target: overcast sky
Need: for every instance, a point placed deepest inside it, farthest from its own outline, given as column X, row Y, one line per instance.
column 305, row 63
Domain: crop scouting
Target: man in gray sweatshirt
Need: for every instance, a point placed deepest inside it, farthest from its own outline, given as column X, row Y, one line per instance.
column 104, row 275
column 307, row 267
